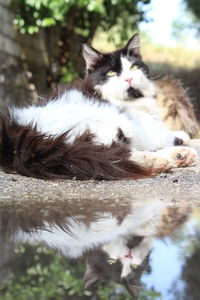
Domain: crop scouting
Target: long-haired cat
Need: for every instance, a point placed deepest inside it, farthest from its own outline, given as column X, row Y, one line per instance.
column 125, row 259
column 88, row 133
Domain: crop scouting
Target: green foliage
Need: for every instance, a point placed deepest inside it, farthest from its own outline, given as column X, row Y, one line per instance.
column 68, row 73
column 40, row 275
column 37, row 273
column 33, row 14
column 194, row 6
column 76, row 22
column 149, row 295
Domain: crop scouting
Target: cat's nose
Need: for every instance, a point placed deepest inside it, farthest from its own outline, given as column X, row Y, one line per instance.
column 128, row 80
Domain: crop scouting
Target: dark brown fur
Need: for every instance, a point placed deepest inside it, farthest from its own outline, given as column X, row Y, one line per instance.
column 30, row 216
column 25, row 151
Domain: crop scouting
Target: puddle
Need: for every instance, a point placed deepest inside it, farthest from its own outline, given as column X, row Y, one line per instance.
column 175, row 263
column 123, row 249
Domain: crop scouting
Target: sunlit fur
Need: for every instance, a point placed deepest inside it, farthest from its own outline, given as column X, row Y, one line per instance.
column 73, row 111
column 111, row 114
column 106, row 127
column 115, row 89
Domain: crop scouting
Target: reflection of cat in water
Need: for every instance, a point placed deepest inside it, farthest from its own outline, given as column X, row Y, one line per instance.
column 129, row 255
column 103, row 127
column 116, row 236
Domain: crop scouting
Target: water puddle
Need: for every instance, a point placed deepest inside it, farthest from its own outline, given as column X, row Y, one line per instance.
column 175, row 263
column 99, row 249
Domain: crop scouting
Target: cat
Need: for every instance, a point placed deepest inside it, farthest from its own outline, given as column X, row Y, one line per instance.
column 125, row 259
column 101, row 267
column 84, row 133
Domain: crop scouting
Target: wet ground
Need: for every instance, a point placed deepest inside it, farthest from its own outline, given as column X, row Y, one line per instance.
column 175, row 263
column 163, row 212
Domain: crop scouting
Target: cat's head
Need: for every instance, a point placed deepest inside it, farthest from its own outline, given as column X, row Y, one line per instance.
column 101, row 267
column 119, row 75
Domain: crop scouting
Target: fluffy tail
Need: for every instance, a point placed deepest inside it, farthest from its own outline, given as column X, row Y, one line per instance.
column 25, row 151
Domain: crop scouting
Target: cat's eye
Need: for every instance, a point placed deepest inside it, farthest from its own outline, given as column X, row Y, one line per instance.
column 133, row 68
column 111, row 261
column 111, row 73
column 133, row 266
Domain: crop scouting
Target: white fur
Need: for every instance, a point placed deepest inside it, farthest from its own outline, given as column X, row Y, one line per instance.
column 140, row 123
column 79, row 240
column 142, row 219
column 144, row 113
column 115, row 88
column 74, row 111
column 139, row 253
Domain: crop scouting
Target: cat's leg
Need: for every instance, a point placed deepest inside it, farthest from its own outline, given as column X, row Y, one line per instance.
column 166, row 159
column 152, row 160
column 181, row 156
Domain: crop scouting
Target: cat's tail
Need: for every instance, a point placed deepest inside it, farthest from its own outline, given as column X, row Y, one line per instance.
column 25, row 151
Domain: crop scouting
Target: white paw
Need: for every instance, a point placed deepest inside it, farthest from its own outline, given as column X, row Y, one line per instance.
column 181, row 156
column 156, row 161
column 161, row 164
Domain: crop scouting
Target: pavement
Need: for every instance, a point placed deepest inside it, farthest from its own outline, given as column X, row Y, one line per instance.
column 178, row 185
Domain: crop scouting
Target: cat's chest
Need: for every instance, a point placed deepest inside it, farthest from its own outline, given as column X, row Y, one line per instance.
column 143, row 108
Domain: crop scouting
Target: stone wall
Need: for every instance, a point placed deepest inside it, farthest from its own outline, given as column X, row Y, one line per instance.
column 24, row 60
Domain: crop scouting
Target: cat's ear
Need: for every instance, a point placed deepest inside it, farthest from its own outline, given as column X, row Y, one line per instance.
column 133, row 45
column 134, row 290
column 132, row 283
column 91, row 56
column 90, row 277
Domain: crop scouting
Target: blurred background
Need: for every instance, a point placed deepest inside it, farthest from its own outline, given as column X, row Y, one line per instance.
column 41, row 40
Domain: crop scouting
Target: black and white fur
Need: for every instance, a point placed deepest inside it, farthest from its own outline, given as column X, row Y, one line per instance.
column 115, row 235
column 104, row 127
column 131, row 90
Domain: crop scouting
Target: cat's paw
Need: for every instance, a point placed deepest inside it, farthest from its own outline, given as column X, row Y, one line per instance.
column 184, row 156
column 161, row 164
column 157, row 162
column 181, row 156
